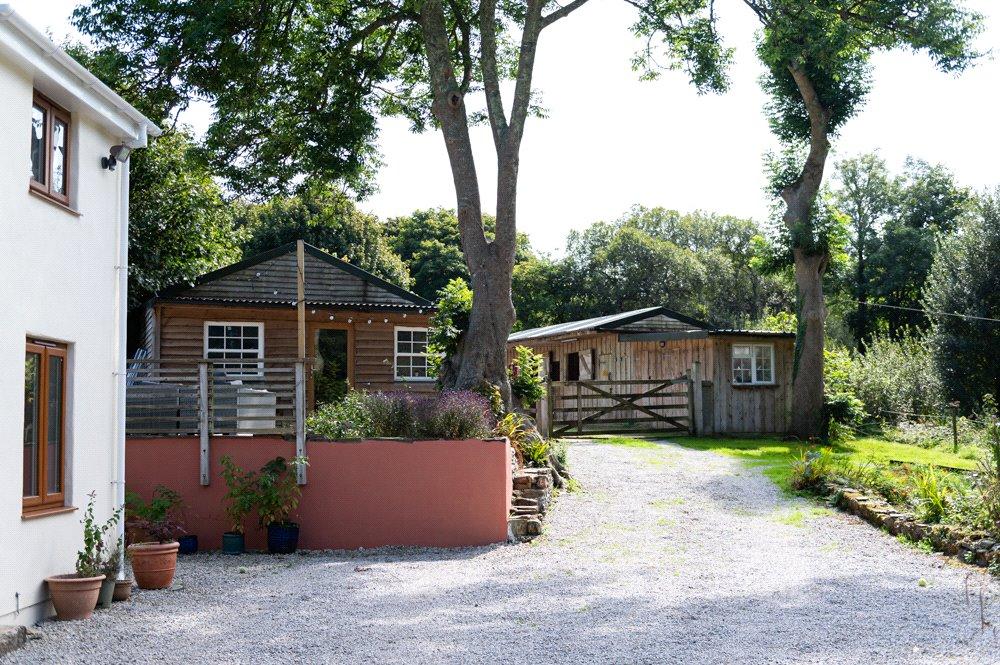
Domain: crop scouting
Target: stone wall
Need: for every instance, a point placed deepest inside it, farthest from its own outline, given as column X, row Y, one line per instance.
column 531, row 498
column 974, row 547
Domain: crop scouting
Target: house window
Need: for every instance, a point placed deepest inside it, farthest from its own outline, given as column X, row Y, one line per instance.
column 44, row 425
column 235, row 341
column 50, row 128
column 553, row 367
column 411, row 354
column 753, row 364
column 573, row 366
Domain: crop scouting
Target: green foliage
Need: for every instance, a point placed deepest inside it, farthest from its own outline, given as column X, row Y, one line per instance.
column 896, row 376
column 843, row 414
column 160, row 518
column 448, row 415
column 494, row 397
column 277, row 492
column 989, row 483
column 535, row 451
column 964, row 279
column 448, row 324
column 525, row 372
column 327, row 218
column 529, row 446
column 932, row 494
column 241, row 494
column 350, row 418
column 811, row 470
column 92, row 558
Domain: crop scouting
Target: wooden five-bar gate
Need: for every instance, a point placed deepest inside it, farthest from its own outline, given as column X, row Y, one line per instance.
column 576, row 408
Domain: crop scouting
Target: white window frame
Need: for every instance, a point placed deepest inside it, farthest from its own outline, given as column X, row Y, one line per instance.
column 753, row 365
column 395, row 354
column 260, row 347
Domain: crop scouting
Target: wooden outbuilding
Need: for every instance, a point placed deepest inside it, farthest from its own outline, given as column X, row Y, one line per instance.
column 294, row 303
column 654, row 368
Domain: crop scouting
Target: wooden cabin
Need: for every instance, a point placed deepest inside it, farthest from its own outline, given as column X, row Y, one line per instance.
column 744, row 376
column 359, row 330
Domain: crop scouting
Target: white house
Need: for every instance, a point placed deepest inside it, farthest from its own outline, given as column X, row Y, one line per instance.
column 63, row 252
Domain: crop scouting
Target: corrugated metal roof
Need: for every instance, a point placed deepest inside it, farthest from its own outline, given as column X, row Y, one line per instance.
column 309, row 303
column 579, row 326
column 757, row 333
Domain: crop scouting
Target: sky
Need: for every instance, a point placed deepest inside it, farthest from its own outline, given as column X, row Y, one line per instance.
column 611, row 141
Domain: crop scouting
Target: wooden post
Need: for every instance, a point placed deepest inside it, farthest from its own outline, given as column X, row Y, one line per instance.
column 203, row 421
column 549, row 408
column 697, row 404
column 692, row 427
column 954, row 426
column 300, row 419
column 300, row 259
column 579, row 410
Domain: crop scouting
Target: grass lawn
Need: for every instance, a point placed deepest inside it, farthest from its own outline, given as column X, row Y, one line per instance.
column 775, row 456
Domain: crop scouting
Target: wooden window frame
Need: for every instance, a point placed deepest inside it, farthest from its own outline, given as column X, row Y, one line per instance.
column 260, row 348
column 53, row 113
column 753, row 364
column 46, row 501
column 396, row 354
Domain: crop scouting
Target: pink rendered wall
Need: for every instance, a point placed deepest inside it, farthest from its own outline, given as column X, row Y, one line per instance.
column 359, row 493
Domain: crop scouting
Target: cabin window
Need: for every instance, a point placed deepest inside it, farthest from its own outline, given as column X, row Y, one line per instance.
column 753, row 364
column 411, row 354
column 573, row 366
column 50, row 127
column 553, row 367
column 44, row 425
column 238, row 341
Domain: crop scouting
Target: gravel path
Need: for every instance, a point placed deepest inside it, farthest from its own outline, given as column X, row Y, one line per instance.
column 668, row 555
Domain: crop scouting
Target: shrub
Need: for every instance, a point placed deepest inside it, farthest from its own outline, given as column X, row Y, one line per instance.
column 896, row 376
column 348, row 419
column 241, row 495
column 512, row 426
column 989, row 466
column 494, row 397
column 535, row 450
column 525, row 373
column 277, row 492
column 811, row 470
column 458, row 414
column 842, row 414
column 159, row 518
column 932, row 494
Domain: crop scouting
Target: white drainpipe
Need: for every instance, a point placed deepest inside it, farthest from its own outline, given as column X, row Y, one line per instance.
column 121, row 347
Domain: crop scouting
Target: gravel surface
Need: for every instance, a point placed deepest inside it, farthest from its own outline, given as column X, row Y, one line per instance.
column 668, row 555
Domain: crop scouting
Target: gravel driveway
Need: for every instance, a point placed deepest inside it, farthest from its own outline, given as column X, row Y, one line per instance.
column 668, row 555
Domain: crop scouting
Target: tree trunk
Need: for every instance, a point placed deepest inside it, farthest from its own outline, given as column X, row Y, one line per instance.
column 807, row 392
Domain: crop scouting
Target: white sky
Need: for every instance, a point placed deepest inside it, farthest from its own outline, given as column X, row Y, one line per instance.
column 611, row 141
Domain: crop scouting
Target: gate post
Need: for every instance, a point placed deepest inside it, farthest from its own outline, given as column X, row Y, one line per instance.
column 203, row 421
column 300, row 420
column 697, row 406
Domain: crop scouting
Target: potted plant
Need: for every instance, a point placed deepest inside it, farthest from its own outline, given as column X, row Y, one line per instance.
column 155, row 561
column 277, row 496
column 111, row 566
column 75, row 595
column 240, row 499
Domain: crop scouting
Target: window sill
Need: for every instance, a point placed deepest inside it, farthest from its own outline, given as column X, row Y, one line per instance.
column 59, row 204
column 753, row 385
column 46, row 512
column 399, row 379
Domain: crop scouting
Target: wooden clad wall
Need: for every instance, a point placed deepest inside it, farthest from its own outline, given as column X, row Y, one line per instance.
column 737, row 409
column 752, row 409
column 180, row 330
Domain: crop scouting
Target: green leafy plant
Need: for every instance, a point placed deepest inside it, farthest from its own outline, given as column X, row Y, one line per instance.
column 535, row 450
column 989, row 466
column 811, row 469
column 277, row 492
column 241, row 494
column 351, row 418
column 447, row 326
column 494, row 397
column 512, row 426
column 159, row 518
column 91, row 559
column 932, row 494
column 525, row 374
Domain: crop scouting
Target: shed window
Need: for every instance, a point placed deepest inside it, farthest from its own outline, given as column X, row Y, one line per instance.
column 411, row 354
column 50, row 128
column 573, row 366
column 553, row 367
column 235, row 341
column 753, row 364
column 44, row 425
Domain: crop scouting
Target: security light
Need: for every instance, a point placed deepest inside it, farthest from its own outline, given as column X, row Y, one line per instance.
column 119, row 153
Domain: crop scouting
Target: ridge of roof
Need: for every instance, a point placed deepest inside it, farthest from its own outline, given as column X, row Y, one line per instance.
column 608, row 321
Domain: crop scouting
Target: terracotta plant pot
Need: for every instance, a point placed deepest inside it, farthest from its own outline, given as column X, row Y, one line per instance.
column 74, row 597
column 153, row 564
column 123, row 590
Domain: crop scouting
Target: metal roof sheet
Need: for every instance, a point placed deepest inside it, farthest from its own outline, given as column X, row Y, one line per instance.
column 585, row 324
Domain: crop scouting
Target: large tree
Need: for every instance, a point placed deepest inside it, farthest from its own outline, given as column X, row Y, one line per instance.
column 297, row 87
column 817, row 59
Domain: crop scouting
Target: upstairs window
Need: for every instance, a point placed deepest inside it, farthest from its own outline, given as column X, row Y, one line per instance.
column 236, row 341
column 50, row 127
column 411, row 354
column 753, row 364
column 44, row 425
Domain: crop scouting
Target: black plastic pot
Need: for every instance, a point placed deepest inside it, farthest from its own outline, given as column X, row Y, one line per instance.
column 189, row 544
column 233, row 543
column 282, row 538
